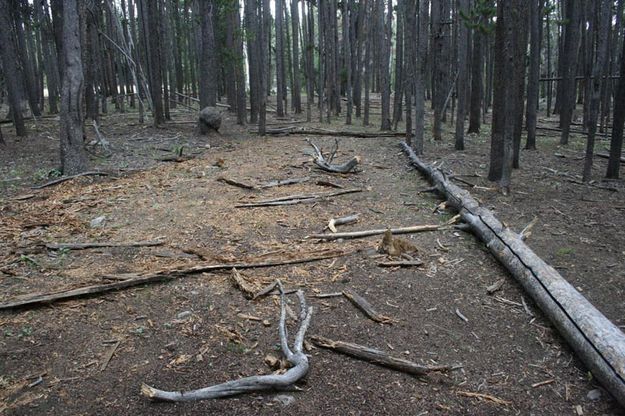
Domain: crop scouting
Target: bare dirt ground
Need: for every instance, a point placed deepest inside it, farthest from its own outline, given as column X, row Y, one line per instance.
column 90, row 356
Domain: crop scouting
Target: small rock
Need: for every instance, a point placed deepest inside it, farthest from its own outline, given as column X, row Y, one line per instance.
column 284, row 399
column 97, row 222
column 183, row 315
column 594, row 394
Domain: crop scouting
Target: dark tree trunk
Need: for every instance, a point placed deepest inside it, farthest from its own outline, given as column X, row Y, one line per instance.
column 347, row 51
column 603, row 13
column 9, row 66
column 618, row 120
column 49, row 57
column 420, row 78
column 252, row 34
column 399, row 62
column 439, row 75
column 463, row 73
column 73, row 158
column 509, row 27
column 536, row 15
column 280, row 72
column 520, row 48
column 208, row 71
column 264, row 19
column 410, row 30
column 367, row 61
column 296, row 93
column 477, row 81
column 26, row 60
column 385, row 49
column 239, row 65
column 569, row 67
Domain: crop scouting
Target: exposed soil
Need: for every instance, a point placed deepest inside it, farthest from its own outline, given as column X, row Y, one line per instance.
column 196, row 331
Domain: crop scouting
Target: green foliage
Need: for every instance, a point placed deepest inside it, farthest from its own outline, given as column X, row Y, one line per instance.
column 480, row 16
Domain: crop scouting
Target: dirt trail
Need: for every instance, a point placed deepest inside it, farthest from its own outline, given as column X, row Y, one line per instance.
column 196, row 331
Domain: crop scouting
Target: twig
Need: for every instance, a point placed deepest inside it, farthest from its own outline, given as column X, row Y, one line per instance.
column 362, row 304
column 67, row 178
column 295, row 357
column 329, row 295
column 481, row 396
column 236, row 183
column 283, row 182
column 132, row 279
column 379, row 357
column 349, row 219
column 109, row 356
column 406, row 263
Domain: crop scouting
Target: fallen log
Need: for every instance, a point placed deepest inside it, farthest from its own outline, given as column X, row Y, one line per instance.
column 124, row 281
column 296, row 357
column 598, row 342
column 83, row 246
column 67, row 178
column 296, row 199
column 304, row 131
column 379, row 231
column 379, row 357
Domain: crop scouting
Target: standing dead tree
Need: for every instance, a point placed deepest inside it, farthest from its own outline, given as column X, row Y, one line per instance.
column 295, row 357
column 597, row 341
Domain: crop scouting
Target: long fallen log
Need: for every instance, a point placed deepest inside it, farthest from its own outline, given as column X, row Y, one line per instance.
column 67, row 178
column 598, row 342
column 379, row 357
column 379, row 231
column 288, row 130
column 127, row 280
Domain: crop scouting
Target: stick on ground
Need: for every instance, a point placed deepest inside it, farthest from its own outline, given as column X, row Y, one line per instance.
column 82, row 246
column 124, row 281
column 379, row 357
column 380, row 231
column 295, row 357
column 362, row 304
column 67, row 178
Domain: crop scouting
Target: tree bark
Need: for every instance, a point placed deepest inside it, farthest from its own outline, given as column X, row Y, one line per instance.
column 569, row 67
column 208, row 71
column 385, row 50
column 536, row 15
column 618, row 120
column 463, row 73
column 9, row 67
column 73, row 158
column 420, row 78
column 296, row 93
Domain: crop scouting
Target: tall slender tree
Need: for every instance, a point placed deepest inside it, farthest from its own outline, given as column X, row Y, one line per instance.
column 568, row 60
column 208, row 70
column 463, row 73
column 618, row 122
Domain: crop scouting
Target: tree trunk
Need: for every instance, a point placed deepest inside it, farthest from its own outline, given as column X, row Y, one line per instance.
column 422, row 53
column 208, row 71
column 463, row 72
column 347, row 51
column 296, row 93
column 9, row 67
column 280, row 72
column 73, row 158
column 618, row 120
column 399, row 63
column 385, row 49
column 410, row 29
column 477, row 80
column 569, row 66
column 536, row 16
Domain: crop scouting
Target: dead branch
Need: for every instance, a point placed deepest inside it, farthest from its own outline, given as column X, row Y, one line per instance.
column 326, row 164
column 67, row 178
column 380, row 231
column 293, row 130
column 236, row 183
column 407, row 263
column 124, row 281
column 329, row 184
column 362, row 304
column 283, row 182
column 596, row 340
column 295, row 357
column 379, row 357
column 83, row 246
column 243, row 285
column 349, row 219
column 296, row 199
column 482, row 396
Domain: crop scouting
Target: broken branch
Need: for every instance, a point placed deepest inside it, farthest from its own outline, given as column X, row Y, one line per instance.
column 67, row 178
column 380, row 231
column 83, row 246
column 296, row 199
column 379, row 357
column 362, row 304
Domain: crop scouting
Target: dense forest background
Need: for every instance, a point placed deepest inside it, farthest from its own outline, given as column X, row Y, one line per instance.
column 472, row 61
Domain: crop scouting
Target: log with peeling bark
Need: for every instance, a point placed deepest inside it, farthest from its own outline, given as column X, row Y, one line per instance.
column 596, row 340
column 379, row 231
column 362, row 304
column 123, row 281
column 296, row 357
column 327, row 165
column 296, row 199
column 379, row 357
column 83, row 246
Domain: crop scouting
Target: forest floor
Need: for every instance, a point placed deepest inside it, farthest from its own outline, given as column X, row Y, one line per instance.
column 90, row 356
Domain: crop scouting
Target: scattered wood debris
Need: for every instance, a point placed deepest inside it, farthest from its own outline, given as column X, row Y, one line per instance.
column 242, row 284
column 481, row 396
column 326, row 164
column 297, row 199
column 362, row 304
column 296, row 358
column 67, row 178
column 401, row 263
column 83, row 246
column 380, row 231
column 495, row 286
column 379, row 357
column 109, row 355
column 236, row 183
column 133, row 279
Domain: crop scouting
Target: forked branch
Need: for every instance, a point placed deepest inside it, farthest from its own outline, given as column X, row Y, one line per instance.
column 327, row 165
column 294, row 356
